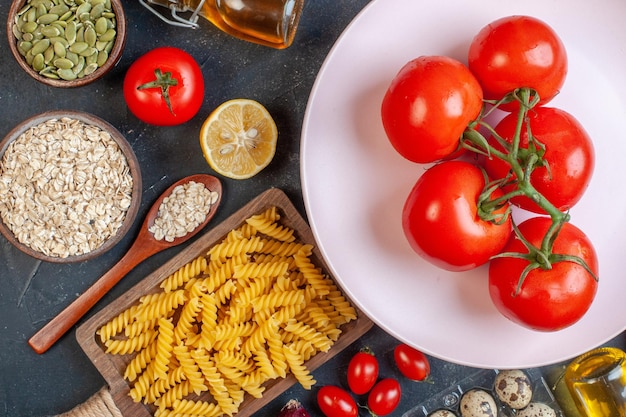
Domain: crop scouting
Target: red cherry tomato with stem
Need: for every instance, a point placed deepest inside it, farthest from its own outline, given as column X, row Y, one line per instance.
column 362, row 372
column 428, row 106
column 411, row 363
column 547, row 299
column 384, row 397
column 336, row 402
column 164, row 87
column 441, row 218
column 518, row 51
column 569, row 157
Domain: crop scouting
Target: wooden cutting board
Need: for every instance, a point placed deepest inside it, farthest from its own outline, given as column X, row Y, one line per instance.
column 112, row 366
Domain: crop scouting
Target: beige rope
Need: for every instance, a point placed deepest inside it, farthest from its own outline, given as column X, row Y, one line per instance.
column 100, row 404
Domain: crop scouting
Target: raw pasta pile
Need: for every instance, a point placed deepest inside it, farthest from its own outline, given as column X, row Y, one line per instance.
column 253, row 308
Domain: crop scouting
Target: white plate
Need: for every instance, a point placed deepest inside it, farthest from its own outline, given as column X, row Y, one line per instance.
column 355, row 184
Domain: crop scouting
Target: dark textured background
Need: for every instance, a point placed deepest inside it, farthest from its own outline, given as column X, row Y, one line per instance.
column 31, row 292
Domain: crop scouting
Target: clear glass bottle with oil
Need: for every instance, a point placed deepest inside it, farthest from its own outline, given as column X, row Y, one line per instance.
column 597, row 382
column 267, row 22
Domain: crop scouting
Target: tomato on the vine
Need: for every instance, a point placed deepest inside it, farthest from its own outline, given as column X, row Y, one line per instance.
column 428, row 105
column 384, row 397
column 569, row 156
column 546, row 299
column 336, row 402
column 411, row 363
column 441, row 221
column 518, row 51
column 362, row 372
column 164, row 87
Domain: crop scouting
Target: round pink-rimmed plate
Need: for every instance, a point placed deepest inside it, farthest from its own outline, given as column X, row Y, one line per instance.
column 355, row 184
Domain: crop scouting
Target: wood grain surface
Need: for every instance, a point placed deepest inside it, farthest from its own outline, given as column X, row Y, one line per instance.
column 112, row 366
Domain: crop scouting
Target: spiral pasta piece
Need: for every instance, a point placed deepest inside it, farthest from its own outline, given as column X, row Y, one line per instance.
column 296, row 365
column 179, row 278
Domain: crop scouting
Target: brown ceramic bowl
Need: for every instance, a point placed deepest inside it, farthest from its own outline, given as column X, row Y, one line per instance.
column 18, row 11
column 41, row 177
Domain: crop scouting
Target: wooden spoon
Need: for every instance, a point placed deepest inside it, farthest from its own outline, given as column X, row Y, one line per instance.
column 145, row 245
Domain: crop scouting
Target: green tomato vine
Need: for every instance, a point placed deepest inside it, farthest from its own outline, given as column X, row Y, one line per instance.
column 522, row 162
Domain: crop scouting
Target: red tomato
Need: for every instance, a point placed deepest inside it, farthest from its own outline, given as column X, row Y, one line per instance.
column 384, row 397
column 568, row 151
column 518, row 51
column 411, row 363
column 362, row 372
column 336, row 402
column 548, row 299
column 164, row 87
column 441, row 221
column 428, row 106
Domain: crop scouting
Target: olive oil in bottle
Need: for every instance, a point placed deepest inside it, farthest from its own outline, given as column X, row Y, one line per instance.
column 597, row 382
column 267, row 22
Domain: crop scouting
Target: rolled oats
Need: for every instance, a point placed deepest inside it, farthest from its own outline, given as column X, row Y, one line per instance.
column 183, row 210
column 66, row 187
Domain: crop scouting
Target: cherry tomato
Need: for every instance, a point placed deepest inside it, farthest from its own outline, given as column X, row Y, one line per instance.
column 441, row 222
column 428, row 106
column 518, row 51
column 384, row 397
column 164, row 87
column 336, row 402
column 549, row 299
column 411, row 363
column 569, row 154
column 362, row 372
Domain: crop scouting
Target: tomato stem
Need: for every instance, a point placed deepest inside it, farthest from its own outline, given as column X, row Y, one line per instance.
column 163, row 81
column 522, row 162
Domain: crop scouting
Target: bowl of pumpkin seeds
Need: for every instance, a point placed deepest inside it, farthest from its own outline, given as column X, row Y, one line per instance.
column 66, row 43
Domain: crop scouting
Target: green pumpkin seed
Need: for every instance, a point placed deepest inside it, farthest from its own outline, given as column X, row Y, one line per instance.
column 46, row 19
column 29, row 27
column 102, row 58
column 24, row 46
column 38, row 62
column 50, row 31
column 88, row 52
column 83, row 8
column 59, row 9
column 60, row 50
column 78, row 47
column 70, row 32
column 48, row 55
column 73, row 57
column 101, row 26
column 96, row 11
column 66, row 74
column 109, row 35
column 40, row 46
column 90, row 36
column 49, row 72
column 60, row 39
column 63, row 63
column 80, row 65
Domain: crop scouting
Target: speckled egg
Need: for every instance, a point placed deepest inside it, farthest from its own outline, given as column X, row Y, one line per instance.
column 478, row 403
column 514, row 388
column 442, row 413
column 537, row 410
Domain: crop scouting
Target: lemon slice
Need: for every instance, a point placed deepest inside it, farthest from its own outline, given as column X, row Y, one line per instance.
column 238, row 138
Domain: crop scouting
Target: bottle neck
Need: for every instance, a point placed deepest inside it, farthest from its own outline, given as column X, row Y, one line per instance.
column 176, row 7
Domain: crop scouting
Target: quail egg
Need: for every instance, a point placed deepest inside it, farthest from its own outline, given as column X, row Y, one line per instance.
column 537, row 410
column 442, row 413
column 478, row 403
column 513, row 388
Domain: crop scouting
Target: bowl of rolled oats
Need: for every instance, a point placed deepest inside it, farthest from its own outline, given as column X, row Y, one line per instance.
column 70, row 186
column 66, row 43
